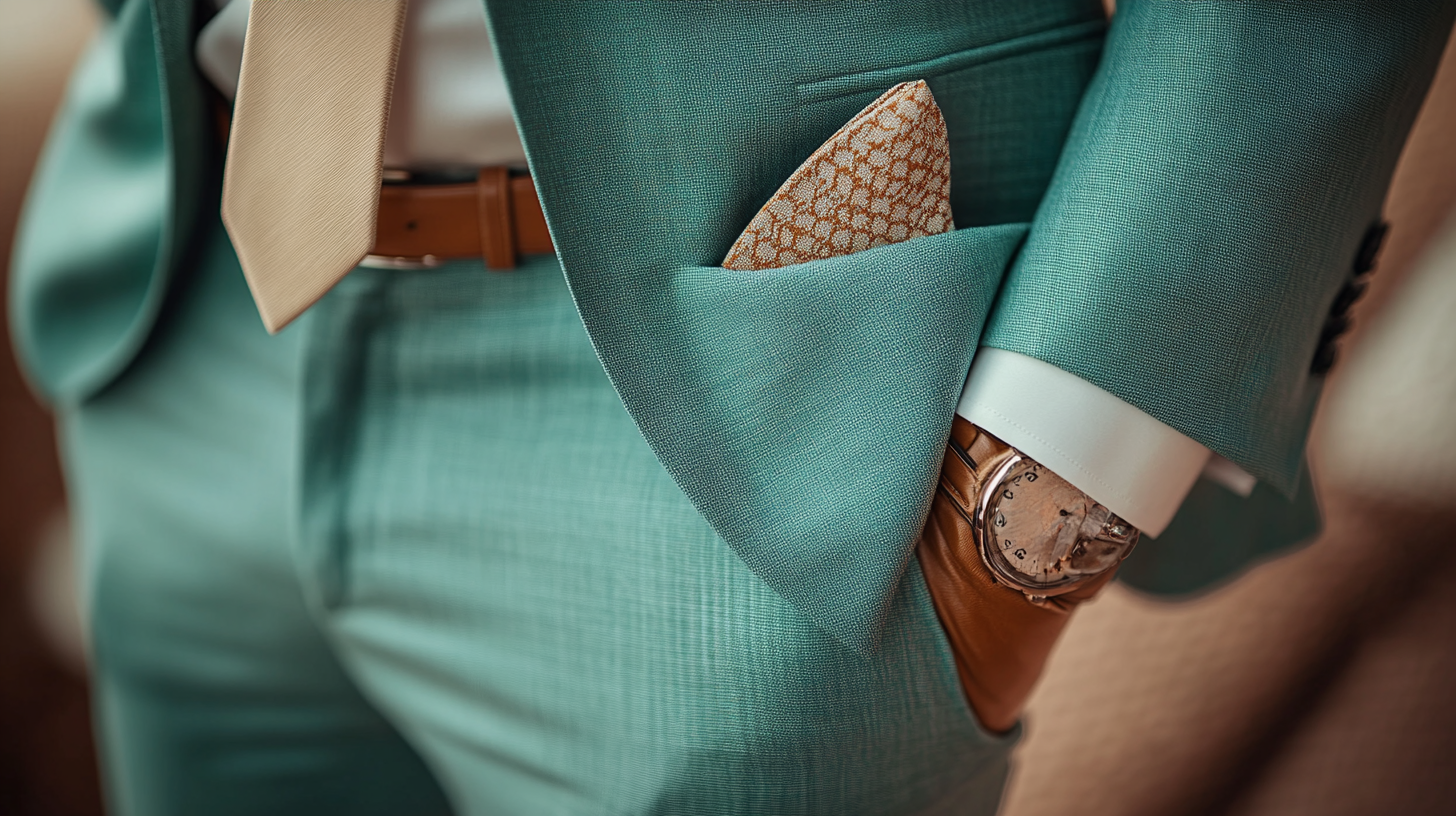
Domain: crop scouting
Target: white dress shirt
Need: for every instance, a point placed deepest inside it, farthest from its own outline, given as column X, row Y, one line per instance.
column 1120, row 456
column 451, row 109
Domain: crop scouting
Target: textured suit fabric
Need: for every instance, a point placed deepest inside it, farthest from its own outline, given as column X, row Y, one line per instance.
column 803, row 411
column 733, row 377
column 268, row 625
column 828, row 518
column 216, row 689
column 1257, row 170
column 114, row 202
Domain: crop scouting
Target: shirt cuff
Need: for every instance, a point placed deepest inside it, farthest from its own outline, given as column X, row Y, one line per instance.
column 219, row 49
column 1138, row 467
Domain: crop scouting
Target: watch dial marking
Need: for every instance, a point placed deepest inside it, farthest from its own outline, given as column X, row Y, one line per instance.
column 1041, row 530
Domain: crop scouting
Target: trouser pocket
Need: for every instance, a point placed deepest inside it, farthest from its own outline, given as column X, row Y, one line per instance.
column 1001, row 641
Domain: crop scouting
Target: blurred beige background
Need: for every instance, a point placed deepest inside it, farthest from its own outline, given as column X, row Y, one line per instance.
column 47, row 767
column 1317, row 683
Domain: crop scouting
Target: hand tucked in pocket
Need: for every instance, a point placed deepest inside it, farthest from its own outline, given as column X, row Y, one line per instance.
column 881, row 179
column 1001, row 640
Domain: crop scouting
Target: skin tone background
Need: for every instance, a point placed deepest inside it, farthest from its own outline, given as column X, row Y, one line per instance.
column 1316, row 683
column 47, row 763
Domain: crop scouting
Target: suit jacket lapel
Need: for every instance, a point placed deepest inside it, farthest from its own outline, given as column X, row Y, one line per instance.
column 188, row 123
column 133, row 129
column 802, row 410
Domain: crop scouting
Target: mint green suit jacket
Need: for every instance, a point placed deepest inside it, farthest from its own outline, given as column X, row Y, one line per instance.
column 1166, row 207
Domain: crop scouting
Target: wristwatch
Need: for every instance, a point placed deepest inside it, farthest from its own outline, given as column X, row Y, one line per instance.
column 1004, row 530
column 1036, row 532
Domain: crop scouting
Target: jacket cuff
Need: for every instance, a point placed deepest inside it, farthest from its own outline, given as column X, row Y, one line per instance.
column 1138, row 467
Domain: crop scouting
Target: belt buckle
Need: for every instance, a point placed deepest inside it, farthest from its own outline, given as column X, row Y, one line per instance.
column 401, row 262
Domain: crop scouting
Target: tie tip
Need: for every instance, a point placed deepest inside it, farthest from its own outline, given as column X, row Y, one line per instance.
column 278, row 309
column 285, row 288
column 274, row 326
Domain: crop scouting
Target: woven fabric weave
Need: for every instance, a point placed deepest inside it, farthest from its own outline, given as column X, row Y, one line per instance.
column 1198, row 207
column 427, row 491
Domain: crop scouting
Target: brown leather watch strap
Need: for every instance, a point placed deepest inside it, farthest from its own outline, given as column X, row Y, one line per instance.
column 498, row 218
column 1000, row 640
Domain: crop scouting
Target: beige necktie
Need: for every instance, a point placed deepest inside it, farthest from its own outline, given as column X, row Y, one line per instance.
column 301, row 189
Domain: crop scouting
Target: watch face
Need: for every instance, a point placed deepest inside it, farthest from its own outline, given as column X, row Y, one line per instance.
column 1045, row 536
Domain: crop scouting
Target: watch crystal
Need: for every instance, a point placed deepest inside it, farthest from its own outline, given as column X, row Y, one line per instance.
column 1046, row 536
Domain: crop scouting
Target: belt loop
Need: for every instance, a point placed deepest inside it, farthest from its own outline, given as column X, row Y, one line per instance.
column 497, row 233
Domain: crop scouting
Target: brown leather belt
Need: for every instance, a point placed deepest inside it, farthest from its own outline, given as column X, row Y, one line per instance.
column 498, row 218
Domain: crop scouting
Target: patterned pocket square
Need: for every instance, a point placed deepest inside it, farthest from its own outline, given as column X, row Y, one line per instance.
column 882, row 178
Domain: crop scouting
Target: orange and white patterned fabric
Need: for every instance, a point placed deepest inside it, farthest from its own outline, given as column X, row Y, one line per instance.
column 882, row 178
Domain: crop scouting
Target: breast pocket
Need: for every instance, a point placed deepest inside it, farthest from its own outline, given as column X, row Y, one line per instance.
column 1008, row 108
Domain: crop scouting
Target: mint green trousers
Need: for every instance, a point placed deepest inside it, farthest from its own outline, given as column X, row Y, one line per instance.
column 411, row 556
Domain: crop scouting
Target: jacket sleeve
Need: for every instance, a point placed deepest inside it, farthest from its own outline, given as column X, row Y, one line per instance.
column 1210, row 204
column 115, row 201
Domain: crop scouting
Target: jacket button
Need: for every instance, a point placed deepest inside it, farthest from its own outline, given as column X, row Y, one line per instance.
column 1339, row 320
column 1324, row 356
column 1351, row 292
column 1370, row 247
column 1335, row 326
column 1324, row 360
